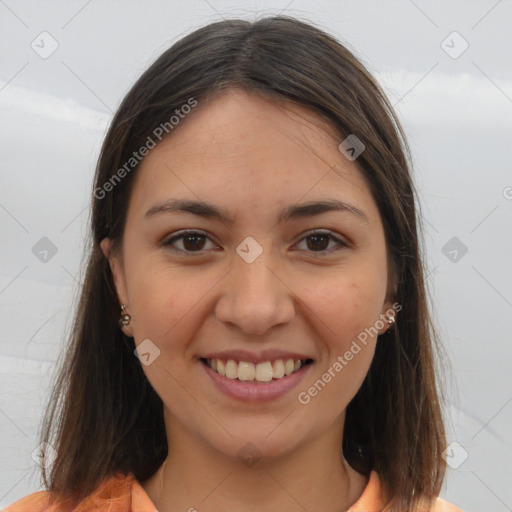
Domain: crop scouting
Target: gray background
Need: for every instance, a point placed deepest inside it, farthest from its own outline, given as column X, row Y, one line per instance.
column 456, row 107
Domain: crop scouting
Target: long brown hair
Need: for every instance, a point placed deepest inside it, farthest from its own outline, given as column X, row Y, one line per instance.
column 104, row 417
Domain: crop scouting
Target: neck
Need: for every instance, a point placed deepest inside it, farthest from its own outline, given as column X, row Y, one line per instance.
column 195, row 477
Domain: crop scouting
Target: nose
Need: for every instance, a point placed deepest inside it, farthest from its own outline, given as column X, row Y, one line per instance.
column 255, row 297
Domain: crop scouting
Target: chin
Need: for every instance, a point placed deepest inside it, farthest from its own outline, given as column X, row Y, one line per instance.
column 251, row 445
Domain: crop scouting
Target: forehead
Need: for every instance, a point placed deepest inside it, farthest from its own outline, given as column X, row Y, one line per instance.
column 243, row 149
column 239, row 120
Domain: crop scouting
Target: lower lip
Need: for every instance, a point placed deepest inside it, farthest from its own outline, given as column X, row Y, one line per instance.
column 254, row 391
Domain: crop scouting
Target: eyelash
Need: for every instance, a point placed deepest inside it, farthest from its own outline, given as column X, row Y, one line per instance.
column 341, row 244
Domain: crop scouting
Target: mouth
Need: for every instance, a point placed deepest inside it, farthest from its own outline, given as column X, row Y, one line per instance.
column 256, row 373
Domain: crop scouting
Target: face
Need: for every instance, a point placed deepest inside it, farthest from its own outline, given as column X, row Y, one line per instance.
column 264, row 276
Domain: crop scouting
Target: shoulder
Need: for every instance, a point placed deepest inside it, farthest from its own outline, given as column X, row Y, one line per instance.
column 372, row 500
column 35, row 502
column 118, row 493
column 443, row 506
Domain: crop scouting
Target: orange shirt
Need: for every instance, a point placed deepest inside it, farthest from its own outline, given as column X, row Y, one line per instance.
column 123, row 493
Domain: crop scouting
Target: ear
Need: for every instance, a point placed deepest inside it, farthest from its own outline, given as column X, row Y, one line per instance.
column 118, row 274
column 389, row 310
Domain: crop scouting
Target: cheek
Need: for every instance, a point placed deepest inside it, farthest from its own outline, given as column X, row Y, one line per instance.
column 162, row 298
column 347, row 305
column 346, row 310
column 345, row 316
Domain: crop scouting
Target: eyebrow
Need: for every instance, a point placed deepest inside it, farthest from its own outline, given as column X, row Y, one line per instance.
column 208, row 210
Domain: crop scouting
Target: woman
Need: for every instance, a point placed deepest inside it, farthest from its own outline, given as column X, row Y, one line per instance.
column 253, row 330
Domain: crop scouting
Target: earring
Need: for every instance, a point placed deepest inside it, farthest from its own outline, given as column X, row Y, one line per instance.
column 390, row 320
column 125, row 318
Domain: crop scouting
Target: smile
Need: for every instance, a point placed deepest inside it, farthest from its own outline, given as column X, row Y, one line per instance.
column 256, row 382
column 262, row 372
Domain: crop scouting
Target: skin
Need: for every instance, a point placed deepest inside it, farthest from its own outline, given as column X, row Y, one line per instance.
column 252, row 157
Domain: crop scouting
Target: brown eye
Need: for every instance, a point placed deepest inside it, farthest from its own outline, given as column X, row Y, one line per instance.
column 193, row 242
column 318, row 242
column 190, row 241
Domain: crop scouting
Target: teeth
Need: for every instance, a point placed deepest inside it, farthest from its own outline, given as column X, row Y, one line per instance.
column 278, row 369
column 246, row 371
column 231, row 369
column 261, row 372
column 264, row 371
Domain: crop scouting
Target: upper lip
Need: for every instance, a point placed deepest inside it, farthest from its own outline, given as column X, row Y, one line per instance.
column 252, row 357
